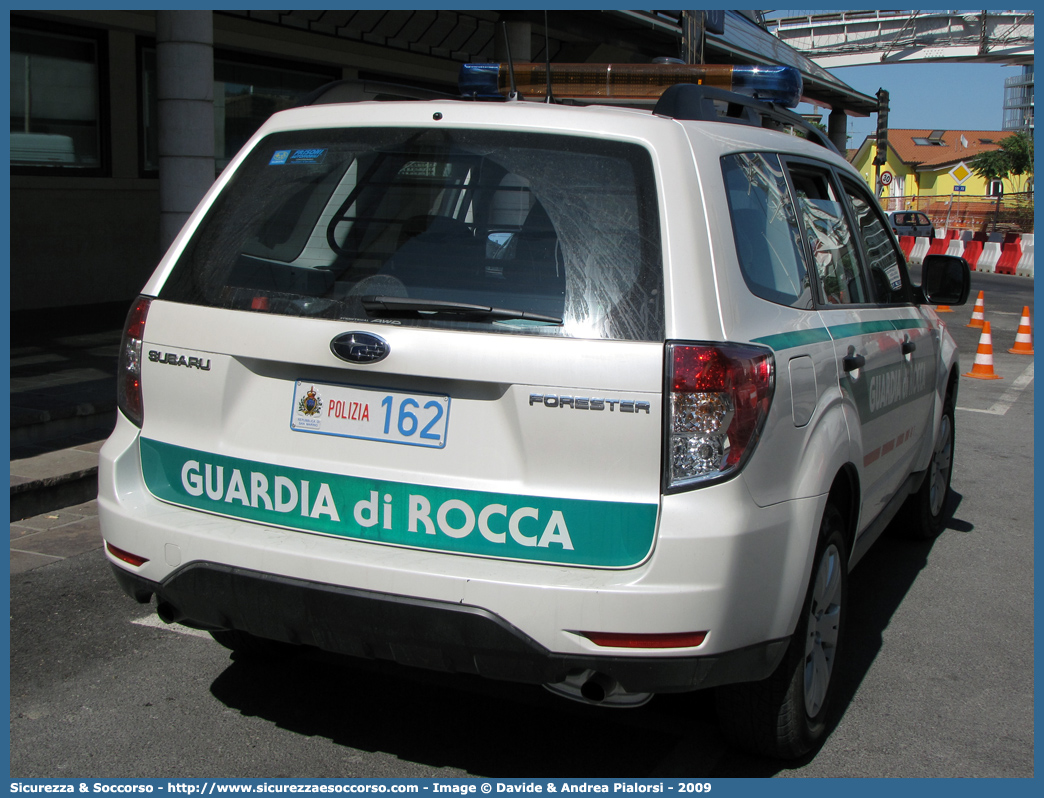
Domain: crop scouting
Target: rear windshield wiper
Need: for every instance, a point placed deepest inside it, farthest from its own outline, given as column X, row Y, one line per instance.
column 396, row 305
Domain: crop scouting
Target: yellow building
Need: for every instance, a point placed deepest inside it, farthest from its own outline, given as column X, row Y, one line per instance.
column 920, row 162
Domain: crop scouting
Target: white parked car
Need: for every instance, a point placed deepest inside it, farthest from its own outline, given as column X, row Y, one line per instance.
column 607, row 399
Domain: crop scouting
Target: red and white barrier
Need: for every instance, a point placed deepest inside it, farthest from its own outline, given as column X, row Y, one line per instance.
column 1025, row 267
column 991, row 252
column 920, row 249
column 1011, row 253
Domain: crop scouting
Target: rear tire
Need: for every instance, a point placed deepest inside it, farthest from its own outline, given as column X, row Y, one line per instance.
column 785, row 715
column 923, row 515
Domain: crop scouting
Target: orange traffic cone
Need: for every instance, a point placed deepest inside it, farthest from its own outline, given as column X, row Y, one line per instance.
column 978, row 312
column 1024, row 337
column 982, row 368
column 943, row 309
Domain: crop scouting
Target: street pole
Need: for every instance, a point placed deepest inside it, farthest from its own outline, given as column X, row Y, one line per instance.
column 881, row 139
column 693, row 30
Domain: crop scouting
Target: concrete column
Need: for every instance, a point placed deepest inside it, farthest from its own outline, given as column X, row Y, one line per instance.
column 185, row 105
column 837, row 129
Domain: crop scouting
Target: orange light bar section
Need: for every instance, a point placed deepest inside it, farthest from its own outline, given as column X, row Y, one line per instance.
column 629, row 82
column 610, row 81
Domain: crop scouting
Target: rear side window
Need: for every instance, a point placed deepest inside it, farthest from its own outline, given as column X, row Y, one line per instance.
column 833, row 248
column 764, row 223
column 559, row 235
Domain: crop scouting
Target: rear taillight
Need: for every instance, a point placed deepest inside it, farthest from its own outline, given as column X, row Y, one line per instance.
column 126, row 556
column 668, row 640
column 718, row 397
column 128, row 378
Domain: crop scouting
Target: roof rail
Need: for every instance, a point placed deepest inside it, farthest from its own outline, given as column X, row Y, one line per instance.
column 690, row 101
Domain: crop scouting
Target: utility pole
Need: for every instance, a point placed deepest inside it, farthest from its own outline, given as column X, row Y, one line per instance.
column 693, row 36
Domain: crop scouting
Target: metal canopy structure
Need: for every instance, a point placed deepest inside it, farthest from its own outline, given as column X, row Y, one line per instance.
column 853, row 38
column 572, row 36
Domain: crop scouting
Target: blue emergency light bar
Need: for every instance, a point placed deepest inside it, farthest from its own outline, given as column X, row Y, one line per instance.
column 629, row 82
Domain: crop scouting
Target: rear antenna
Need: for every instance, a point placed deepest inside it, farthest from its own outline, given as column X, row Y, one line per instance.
column 548, row 98
column 513, row 95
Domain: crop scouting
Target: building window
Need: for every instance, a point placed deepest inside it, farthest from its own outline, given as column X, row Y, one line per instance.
column 56, row 101
column 149, row 133
column 246, row 93
column 995, row 189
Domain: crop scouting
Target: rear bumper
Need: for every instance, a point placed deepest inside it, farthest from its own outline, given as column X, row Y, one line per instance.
column 424, row 633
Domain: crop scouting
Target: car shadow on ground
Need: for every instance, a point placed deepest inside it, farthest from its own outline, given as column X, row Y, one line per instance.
column 877, row 587
column 465, row 725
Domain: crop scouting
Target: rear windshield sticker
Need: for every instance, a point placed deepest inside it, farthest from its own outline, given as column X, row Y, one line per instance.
column 308, row 156
column 280, row 157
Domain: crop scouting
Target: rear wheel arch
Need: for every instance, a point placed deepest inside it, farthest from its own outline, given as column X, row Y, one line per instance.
column 844, row 495
column 951, row 385
column 789, row 713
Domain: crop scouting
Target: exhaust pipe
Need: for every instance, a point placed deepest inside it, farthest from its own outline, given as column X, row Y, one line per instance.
column 591, row 687
column 167, row 613
column 598, row 688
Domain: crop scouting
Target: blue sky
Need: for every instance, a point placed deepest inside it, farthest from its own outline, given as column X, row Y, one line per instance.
column 945, row 96
column 933, row 95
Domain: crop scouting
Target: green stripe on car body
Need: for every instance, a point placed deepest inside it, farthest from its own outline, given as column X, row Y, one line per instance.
column 839, row 331
column 604, row 534
column 791, row 340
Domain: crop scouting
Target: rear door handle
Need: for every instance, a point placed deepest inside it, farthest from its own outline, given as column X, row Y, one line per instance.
column 908, row 347
column 853, row 362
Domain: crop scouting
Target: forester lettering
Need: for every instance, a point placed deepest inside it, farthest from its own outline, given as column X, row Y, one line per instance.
column 588, row 403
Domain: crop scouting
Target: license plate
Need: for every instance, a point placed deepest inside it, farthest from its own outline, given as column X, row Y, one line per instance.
column 373, row 415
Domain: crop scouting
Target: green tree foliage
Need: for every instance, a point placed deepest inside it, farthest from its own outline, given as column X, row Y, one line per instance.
column 1012, row 162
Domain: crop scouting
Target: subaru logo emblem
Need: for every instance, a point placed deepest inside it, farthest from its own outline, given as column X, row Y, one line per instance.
column 360, row 347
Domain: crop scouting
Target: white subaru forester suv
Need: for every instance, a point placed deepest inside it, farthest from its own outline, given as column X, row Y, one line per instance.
column 609, row 399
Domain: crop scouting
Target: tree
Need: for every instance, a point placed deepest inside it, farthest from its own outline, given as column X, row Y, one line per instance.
column 1013, row 160
column 1018, row 150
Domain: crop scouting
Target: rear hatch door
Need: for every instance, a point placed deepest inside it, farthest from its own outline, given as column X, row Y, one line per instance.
column 450, row 340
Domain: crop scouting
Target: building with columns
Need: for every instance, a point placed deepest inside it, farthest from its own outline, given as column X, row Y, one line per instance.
column 120, row 120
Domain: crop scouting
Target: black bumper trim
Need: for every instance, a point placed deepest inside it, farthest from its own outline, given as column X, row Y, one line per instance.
column 437, row 635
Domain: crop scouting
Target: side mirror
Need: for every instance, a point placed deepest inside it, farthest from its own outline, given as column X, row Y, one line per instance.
column 945, row 280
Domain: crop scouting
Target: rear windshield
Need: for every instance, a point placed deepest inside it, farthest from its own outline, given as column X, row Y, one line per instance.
column 500, row 232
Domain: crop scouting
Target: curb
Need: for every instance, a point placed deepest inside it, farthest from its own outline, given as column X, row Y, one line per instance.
column 33, row 425
column 44, row 496
column 51, row 480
